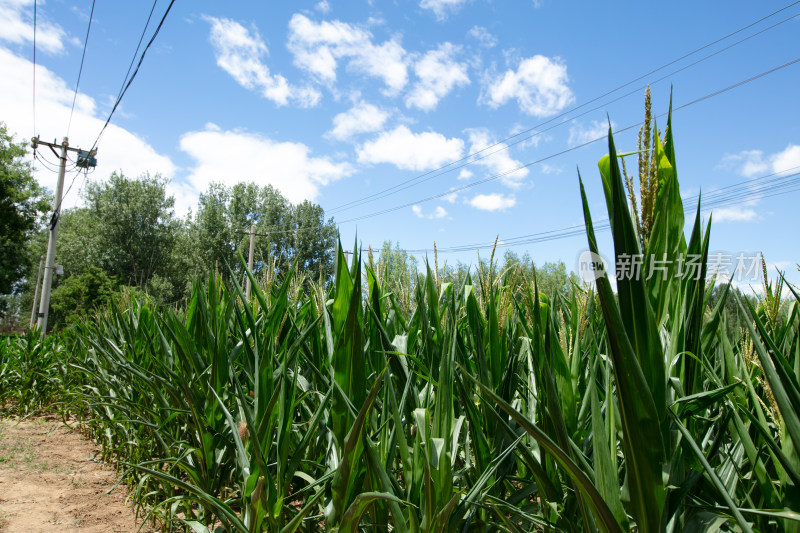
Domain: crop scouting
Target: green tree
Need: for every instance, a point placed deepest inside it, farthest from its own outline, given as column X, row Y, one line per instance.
column 552, row 276
column 23, row 203
column 134, row 227
column 77, row 296
column 397, row 272
column 129, row 232
column 315, row 239
column 80, row 245
column 285, row 231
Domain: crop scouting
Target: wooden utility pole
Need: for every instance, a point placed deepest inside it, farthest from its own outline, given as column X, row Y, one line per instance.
column 85, row 160
column 36, row 292
column 250, row 260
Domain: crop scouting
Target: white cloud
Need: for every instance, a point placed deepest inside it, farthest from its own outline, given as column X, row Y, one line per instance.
column 580, row 134
column 411, row 151
column 787, row 160
column 119, row 149
column 239, row 52
column 438, row 73
column 317, row 47
column 450, row 198
column 550, row 169
column 323, row 6
column 539, row 85
column 493, row 202
column 751, row 163
column 232, row 156
column 525, row 137
column 361, row 118
column 442, row 8
column 748, row 163
column 733, row 214
column 16, row 27
column 439, row 212
column 783, row 266
column 465, row 174
column 483, row 36
column 495, row 158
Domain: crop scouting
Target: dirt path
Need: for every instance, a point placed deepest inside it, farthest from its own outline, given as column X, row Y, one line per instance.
column 50, row 482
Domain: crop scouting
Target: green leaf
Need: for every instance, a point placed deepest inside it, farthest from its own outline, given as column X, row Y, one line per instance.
column 600, row 509
column 641, row 428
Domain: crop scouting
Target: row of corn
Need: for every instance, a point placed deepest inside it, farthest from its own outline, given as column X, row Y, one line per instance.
column 484, row 406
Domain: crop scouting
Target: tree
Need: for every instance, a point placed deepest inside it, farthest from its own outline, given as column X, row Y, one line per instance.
column 134, row 225
column 79, row 295
column 397, row 272
column 551, row 277
column 315, row 239
column 128, row 231
column 23, row 202
column 285, row 231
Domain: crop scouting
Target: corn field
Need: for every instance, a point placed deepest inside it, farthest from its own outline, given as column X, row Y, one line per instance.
column 481, row 407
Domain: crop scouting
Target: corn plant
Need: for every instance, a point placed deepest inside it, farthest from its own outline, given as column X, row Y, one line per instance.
column 368, row 403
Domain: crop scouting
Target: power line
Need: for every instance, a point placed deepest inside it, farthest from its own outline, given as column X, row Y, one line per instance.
column 84, row 171
column 551, row 156
column 571, row 149
column 45, row 164
column 470, row 158
column 504, row 147
column 34, row 67
column 717, row 198
column 777, row 183
column 136, row 52
column 123, row 88
column 135, row 72
column 48, row 165
column 80, row 69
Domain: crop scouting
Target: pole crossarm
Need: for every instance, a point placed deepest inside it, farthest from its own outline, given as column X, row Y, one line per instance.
column 36, row 141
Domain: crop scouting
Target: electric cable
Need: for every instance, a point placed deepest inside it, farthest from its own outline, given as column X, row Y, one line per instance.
column 467, row 159
column 133, row 76
column 33, row 99
column 709, row 201
column 717, row 198
column 136, row 52
column 503, row 147
column 80, row 69
column 124, row 87
column 562, row 152
column 571, row 149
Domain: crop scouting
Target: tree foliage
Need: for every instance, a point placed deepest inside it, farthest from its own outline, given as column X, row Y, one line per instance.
column 127, row 230
column 79, row 295
column 22, row 202
column 134, row 224
column 284, row 231
column 397, row 271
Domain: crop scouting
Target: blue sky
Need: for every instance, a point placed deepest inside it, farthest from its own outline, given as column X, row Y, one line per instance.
column 337, row 101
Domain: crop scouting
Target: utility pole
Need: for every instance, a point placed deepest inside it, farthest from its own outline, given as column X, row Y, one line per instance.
column 250, row 260
column 85, row 160
column 36, row 292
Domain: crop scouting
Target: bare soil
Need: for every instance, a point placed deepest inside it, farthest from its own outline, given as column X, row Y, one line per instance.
column 51, row 481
